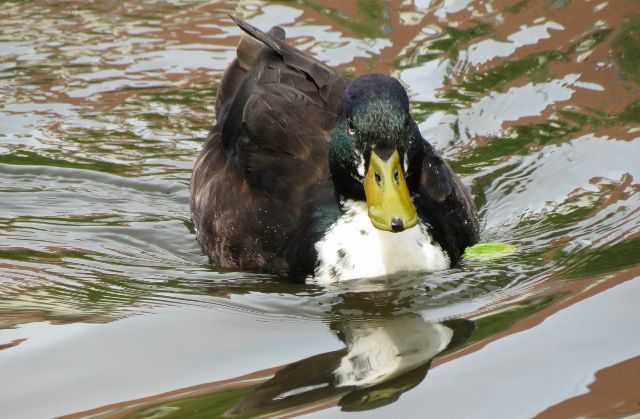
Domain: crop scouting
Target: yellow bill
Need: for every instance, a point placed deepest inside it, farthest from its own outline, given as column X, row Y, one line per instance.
column 390, row 206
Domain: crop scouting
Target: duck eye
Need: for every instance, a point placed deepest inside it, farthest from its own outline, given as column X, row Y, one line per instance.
column 352, row 129
column 396, row 176
column 378, row 178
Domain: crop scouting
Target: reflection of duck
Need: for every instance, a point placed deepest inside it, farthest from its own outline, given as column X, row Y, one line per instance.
column 306, row 173
column 383, row 359
column 380, row 350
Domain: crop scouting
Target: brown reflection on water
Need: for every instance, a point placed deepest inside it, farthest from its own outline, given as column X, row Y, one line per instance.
column 612, row 91
column 615, row 393
column 207, row 24
column 601, row 86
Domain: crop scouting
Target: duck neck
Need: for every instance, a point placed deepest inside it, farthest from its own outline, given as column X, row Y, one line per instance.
column 343, row 165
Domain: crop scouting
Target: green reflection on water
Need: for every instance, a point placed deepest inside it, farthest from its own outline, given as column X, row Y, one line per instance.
column 23, row 254
column 493, row 324
column 210, row 405
column 517, row 7
column 373, row 15
column 626, row 47
column 631, row 113
column 520, row 142
column 607, row 259
column 26, row 157
column 590, row 41
column 455, row 37
column 535, row 67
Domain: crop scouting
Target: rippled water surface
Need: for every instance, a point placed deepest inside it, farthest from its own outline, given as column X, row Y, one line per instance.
column 109, row 308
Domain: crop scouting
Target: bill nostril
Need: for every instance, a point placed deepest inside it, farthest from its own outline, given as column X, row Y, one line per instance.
column 397, row 225
column 378, row 178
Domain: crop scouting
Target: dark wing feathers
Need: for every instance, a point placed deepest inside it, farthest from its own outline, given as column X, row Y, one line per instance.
column 268, row 147
column 444, row 201
column 289, row 138
column 329, row 82
column 318, row 71
column 274, row 120
column 247, row 53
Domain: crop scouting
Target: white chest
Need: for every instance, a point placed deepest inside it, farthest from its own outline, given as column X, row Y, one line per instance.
column 353, row 248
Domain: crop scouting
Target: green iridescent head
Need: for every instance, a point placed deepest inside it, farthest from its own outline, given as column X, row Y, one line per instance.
column 376, row 151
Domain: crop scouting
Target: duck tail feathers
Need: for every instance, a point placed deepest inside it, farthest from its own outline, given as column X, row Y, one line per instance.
column 326, row 78
column 274, row 39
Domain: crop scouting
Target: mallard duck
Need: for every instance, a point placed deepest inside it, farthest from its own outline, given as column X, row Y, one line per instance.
column 308, row 174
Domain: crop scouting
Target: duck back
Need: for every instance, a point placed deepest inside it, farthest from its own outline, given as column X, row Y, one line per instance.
column 267, row 152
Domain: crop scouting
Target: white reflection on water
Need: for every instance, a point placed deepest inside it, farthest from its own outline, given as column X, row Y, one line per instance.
column 336, row 48
column 450, row 6
column 324, row 42
column 487, row 116
column 426, row 81
column 590, row 168
column 378, row 351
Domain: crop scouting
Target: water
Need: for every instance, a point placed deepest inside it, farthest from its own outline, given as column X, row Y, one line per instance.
column 108, row 307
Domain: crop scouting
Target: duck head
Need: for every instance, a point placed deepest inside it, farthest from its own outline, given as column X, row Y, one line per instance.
column 376, row 151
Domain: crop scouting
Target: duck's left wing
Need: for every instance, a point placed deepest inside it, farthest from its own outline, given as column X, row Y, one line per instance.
column 446, row 203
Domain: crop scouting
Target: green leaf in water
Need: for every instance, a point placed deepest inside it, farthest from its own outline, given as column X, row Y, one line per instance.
column 487, row 251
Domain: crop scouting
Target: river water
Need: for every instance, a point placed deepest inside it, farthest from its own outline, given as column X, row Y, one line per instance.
column 109, row 308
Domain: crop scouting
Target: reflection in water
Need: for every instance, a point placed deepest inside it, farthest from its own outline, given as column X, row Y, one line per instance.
column 383, row 359
column 388, row 350
column 384, row 355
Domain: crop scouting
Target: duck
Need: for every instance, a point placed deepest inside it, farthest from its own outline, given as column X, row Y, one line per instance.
column 310, row 175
